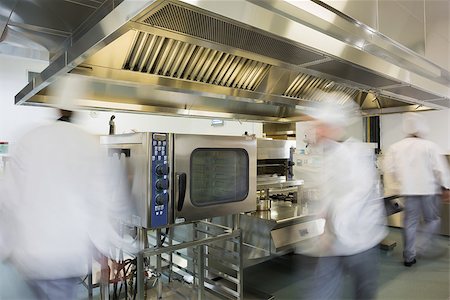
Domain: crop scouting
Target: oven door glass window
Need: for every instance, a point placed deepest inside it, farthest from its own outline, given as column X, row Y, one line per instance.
column 218, row 175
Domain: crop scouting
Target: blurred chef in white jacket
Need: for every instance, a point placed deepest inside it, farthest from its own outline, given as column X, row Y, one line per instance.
column 61, row 202
column 415, row 168
column 350, row 203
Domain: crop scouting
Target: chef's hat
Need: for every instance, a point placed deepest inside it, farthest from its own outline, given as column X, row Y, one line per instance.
column 334, row 111
column 67, row 91
column 415, row 124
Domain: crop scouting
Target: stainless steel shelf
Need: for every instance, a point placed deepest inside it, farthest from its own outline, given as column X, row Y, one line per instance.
column 279, row 184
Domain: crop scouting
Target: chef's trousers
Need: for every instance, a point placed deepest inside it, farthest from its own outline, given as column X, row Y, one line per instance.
column 428, row 207
column 55, row 289
column 330, row 271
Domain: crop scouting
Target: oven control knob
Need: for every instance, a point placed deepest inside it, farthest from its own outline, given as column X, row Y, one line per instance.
column 162, row 184
column 161, row 199
column 162, row 169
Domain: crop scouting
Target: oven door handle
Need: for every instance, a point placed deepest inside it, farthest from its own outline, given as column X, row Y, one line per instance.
column 181, row 190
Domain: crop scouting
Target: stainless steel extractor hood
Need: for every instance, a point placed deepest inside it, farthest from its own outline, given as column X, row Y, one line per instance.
column 252, row 60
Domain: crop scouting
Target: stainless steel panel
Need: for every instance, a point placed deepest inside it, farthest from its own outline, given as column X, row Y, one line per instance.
column 52, row 39
column 283, row 220
column 437, row 18
column 364, row 11
column 437, row 49
column 50, row 27
column 414, row 7
column 137, row 166
column 184, row 144
column 100, row 35
column 152, row 94
column 334, row 24
column 353, row 73
column 30, row 52
column 274, row 149
column 6, row 10
column 401, row 24
column 291, row 235
column 273, row 130
column 278, row 184
column 122, row 82
column 412, row 92
column 442, row 103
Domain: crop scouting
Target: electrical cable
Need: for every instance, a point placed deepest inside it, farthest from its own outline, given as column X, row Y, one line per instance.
column 123, row 268
column 165, row 235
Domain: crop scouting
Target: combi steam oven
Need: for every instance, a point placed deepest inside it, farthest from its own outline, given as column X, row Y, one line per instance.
column 186, row 176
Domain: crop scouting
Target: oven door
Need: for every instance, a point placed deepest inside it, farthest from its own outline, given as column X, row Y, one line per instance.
column 214, row 176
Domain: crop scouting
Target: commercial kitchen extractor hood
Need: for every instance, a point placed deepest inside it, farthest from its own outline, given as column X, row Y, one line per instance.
column 250, row 60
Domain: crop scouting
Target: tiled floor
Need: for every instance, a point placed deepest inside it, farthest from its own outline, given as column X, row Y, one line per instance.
column 288, row 277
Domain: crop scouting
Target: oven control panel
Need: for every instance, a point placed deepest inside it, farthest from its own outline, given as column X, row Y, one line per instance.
column 160, row 183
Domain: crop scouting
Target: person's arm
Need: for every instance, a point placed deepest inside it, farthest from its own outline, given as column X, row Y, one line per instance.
column 390, row 183
column 440, row 168
column 441, row 171
column 446, row 196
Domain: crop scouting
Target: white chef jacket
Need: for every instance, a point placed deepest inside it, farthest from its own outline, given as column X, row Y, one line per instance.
column 416, row 166
column 350, row 200
column 59, row 197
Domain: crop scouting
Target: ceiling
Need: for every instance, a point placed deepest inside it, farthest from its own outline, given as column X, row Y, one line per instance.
column 204, row 59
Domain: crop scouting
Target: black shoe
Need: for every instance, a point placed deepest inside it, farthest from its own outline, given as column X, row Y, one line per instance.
column 409, row 263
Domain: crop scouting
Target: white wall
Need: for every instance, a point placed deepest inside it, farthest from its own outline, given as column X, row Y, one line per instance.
column 16, row 120
column 438, row 122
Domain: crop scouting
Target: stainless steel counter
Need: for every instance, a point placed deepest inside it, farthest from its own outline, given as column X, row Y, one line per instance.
column 282, row 212
column 278, row 231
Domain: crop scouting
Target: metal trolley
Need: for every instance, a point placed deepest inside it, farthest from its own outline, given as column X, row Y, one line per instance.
column 191, row 260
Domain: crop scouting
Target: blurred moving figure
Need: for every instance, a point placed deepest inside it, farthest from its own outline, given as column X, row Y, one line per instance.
column 416, row 169
column 349, row 202
column 61, row 202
